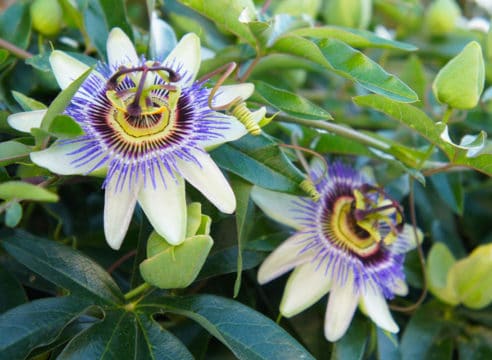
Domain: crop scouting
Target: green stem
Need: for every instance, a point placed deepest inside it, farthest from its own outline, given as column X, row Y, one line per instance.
column 137, row 291
column 337, row 129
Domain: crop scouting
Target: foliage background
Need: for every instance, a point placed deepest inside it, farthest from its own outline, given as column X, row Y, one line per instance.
column 57, row 303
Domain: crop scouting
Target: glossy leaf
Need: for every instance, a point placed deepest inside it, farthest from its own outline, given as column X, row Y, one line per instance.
column 418, row 121
column 345, row 61
column 354, row 37
column 353, row 344
column 248, row 334
column 36, row 323
column 63, row 266
column 290, row 103
column 20, row 190
column 12, row 290
column 259, row 160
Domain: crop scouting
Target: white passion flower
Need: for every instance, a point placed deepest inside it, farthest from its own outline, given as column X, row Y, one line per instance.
column 147, row 123
column 350, row 243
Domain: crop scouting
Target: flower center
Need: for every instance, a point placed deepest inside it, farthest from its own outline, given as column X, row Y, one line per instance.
column 360, row 223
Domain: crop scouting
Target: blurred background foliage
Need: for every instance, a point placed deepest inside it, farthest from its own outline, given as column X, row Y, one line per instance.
column 324, row 66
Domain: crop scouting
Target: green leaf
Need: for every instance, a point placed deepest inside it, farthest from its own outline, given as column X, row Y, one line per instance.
column 64, row 126
column 289, row 103
column 345, row 61
column 439, row 262
column 157, row 343
column 26, row 102
column 244, row 215
column 421, row 332
column 12, row 290
column 388, row 348
column 12, row 151
column 417, row 120
column 95, row 25
column 225, row 261
column 248, row 334
column 449, row 188
column 4, row 54
column 353, row 37
column 115, row 14
column 228, row 20
column 15, row 24
column 20, row 190
column 13, row 214
column 62, row 100
column 36, row 323
column 40, row 62
column 259, row 160
column 63, row 266
column 413, row 74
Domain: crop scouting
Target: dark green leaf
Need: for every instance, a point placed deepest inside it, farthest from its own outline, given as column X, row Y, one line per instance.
column 115, row 14
column 15, row 24
column 417, row 120
column 247, row 333
column 36, row 323
column 96, row 27
column 4, row 54
column 154, row 342
column 40, row 62
column 20, row 190
column 112, row 338
column 259, row 160
column 244, row 215
column 64, row 126
column 12, row 290
column 63, row 266
column 448, row 187
column 353, row 37
column 62, row 100
column 290, row 103
column 388, row 348
column 225, row 262
column 340, row 58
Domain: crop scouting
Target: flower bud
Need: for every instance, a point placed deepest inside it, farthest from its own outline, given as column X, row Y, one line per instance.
column 46, row 17
column 460, row 82
column 349, row 13
column 441, row 17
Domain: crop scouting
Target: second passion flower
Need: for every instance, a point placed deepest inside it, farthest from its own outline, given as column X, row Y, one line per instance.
column 350, row 243
column 147, row 123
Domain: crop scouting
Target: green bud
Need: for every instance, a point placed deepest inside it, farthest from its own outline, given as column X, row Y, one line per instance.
column 349, row 13
column 175, row 267
column 460, row 82
column 471, row 278
column 441, row 17
column 46, row 17
column 296, row 7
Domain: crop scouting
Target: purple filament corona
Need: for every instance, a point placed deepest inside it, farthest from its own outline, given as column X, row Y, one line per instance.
column 134, row 160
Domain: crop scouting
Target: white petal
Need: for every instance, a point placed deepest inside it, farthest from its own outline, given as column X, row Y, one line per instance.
column 285, row 257
column 66, row 68
column 162, row 37
column 186, row 57
column 56, row 160
column 210, row 181
column 165, row 207
column 306, row 285
column 375, row 306
column 281, row 207
column 342, row 303
column 120, row 49
column 228, row 93
column 25, row 121
column 119, row 204
column 233, row 129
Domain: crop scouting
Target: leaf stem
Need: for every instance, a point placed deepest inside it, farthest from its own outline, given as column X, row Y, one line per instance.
column 336, row 129
column 137, row 291
column 15, row 50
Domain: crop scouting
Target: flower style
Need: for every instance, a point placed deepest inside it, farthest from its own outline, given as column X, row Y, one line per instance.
column 147, row 124
column 350, row 243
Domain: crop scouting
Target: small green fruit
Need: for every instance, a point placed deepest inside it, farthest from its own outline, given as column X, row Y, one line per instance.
column 348, row 13
column 460, row 82
column 441, row 17
column 46, row 17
